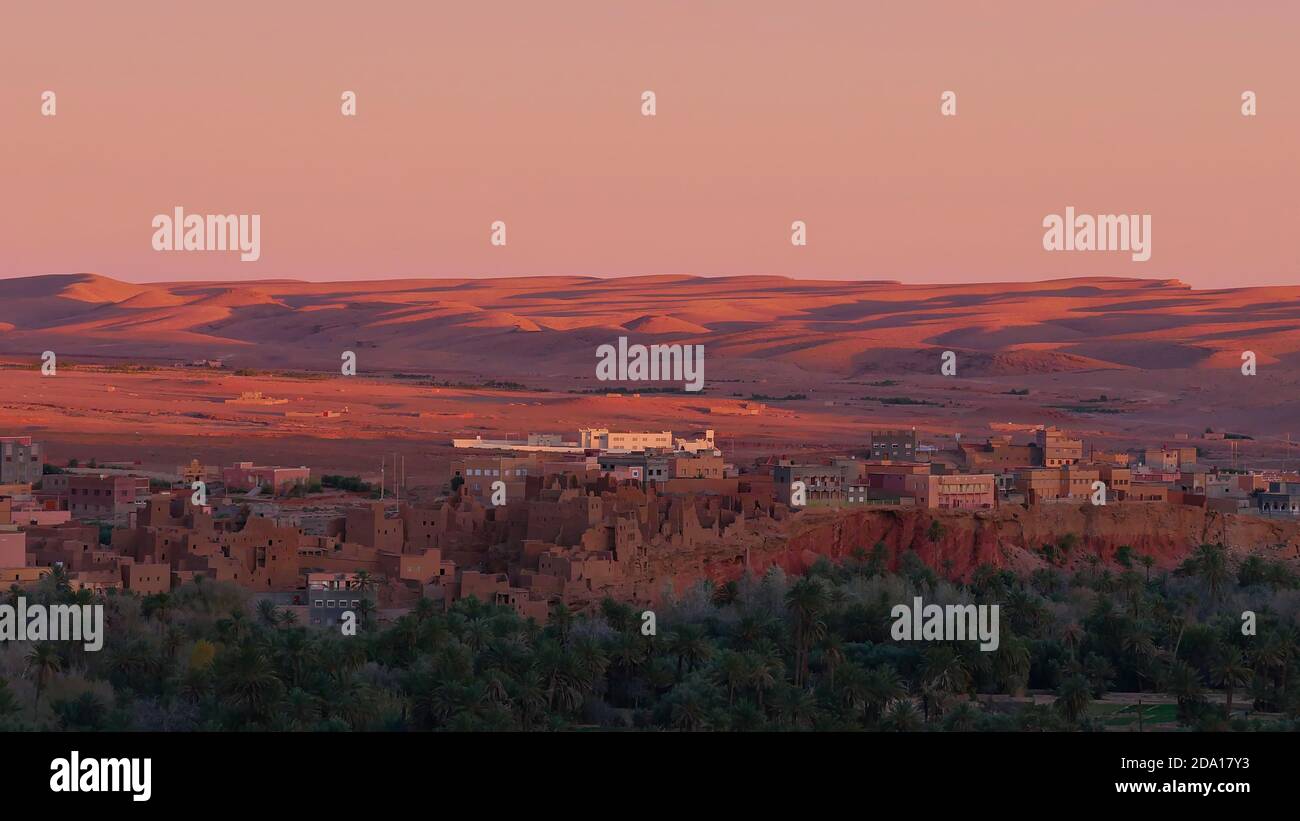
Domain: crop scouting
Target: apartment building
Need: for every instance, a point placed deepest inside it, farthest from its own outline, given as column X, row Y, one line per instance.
column 1057, row 448
column 244, row 476
column 330, row 595
column 480, row 472
column 22, row 461
column 103, row 498
column 895, row 445
column 823, row 484
column 1281, row 499
column 953, row 491
column 1118, row 481
column 1169, row 459
column 605, row 439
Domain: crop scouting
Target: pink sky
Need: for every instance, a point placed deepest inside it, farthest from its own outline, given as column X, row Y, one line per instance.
column 768, row 112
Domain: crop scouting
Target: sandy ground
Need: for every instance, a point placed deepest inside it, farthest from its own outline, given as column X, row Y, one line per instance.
column 166, row 417
column 1165, row 357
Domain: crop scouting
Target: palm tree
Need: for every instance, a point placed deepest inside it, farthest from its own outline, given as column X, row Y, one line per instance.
column 945, row 671
column 806, row 601
column 301, row 709
column 529, row 696
column 690, row 646
column 1184, row 684
column 561, row 618
column 1137, row 642
column 476, row 634
column 8, row 704
column 854, row 693
column 762, row 672
column 902, row 718
column 268, row 613
column 796, row 706
column 590, row 660
column 1072, row 636
column 424, row 609
column 883, row 686
column 233, row 630
column 962, row 718
column 60, row 580
column 1209, row 562
column 366, row 607
column 732, row 671
column 1011, row 664
column 85, row 712
column 364, row 581
column 1147, row 561
column 44, row 661
column 832, row 652
column 294, row 653
column 157, row 606
column 1230, row 672
column 688, row 710
column 1099, row 672
column 247, row 681
column 1073, row 698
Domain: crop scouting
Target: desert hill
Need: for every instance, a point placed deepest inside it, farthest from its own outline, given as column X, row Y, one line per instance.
column 552, row 325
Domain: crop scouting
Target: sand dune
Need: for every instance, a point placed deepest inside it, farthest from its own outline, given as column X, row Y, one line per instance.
column 521, row 325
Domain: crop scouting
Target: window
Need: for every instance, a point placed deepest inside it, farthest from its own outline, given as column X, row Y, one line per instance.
column 329, row 603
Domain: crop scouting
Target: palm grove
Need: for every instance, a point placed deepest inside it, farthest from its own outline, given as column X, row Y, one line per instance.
column 760, row 653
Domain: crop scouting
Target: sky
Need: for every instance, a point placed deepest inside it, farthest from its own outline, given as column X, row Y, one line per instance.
column 766, row 113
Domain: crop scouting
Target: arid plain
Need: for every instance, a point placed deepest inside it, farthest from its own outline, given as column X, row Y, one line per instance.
column 1119, row 361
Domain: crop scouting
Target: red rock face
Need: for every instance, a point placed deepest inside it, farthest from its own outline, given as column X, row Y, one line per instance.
column 1010, row 537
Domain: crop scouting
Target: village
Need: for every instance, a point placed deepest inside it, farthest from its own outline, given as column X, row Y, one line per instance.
column 548, row 520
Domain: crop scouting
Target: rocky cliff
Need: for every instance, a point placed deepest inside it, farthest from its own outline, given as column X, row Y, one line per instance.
column 1012, row 537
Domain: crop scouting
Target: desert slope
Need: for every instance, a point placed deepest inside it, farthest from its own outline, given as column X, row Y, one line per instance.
column 551, row 325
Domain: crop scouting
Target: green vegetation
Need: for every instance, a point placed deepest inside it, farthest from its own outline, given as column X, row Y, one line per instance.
column 1018, row 392
column 1085, row 409
column 789, row 397
column 277, row 374
column 302, row 489
column 758, row 653
column 352, row 484
column 899, row 400
column 650, row 389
